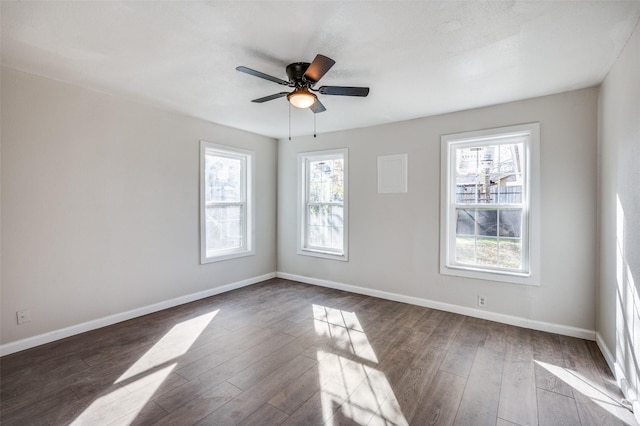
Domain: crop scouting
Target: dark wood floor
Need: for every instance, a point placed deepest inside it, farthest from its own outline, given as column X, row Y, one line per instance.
column 281, row 352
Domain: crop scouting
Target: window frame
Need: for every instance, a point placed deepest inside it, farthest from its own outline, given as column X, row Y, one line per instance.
column 303, row 192
column 530, row 227
column 247, row 159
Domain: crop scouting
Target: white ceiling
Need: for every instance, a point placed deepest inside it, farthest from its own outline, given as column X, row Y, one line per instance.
column 418, row 58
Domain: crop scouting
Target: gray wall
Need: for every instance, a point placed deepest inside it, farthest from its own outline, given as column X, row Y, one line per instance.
column 394, row 238
column 618, row 322
column 100, row 206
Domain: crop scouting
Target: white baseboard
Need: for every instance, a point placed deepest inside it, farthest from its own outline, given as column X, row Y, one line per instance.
column 629, row 392
column 30, row 342
column 477, row 313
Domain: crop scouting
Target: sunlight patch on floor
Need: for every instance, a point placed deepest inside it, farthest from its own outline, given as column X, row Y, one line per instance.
column 591, row 390
column 133, row 389
column 352, row 388
column 176, row 342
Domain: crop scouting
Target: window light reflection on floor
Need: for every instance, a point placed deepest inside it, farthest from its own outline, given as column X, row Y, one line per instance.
column 351, row 386
column 139, row 383
column 591, row 390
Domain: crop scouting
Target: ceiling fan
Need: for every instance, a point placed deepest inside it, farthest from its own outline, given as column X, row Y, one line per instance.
column 303, row 76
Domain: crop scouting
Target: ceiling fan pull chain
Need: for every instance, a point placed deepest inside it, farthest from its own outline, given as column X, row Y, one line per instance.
column 289, row 121
column 314, row 125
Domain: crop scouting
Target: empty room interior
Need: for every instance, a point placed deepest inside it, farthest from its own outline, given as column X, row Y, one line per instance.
column 364, row 213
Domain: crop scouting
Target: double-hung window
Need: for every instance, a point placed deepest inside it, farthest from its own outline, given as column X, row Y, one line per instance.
column 226, row 202
column 322, row 212
column 490, row 204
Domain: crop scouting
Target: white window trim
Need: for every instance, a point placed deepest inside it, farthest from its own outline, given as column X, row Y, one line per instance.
column 248, row 248
column 532, row 131
column 303, row 159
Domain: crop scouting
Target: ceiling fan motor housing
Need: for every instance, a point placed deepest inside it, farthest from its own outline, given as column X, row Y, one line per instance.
column 295, row 72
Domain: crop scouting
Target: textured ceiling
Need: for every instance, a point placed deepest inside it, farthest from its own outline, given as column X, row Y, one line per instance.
column 418, row 58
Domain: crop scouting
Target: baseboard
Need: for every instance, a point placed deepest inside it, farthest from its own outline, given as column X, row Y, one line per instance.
column 52, row 336
column 476, row 313
column 629, row 392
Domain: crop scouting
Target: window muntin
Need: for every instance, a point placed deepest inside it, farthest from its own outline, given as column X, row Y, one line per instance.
column 487, row 203
column 226, row 202
column 323, row 208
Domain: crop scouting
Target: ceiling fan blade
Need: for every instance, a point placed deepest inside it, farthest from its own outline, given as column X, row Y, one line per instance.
column 317, row 107
column 270, row 97
column 262, row 75
column 344, row 91
column 319, row 67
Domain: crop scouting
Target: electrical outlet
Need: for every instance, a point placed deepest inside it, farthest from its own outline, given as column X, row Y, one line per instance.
column 23, row 316
column 482, row 301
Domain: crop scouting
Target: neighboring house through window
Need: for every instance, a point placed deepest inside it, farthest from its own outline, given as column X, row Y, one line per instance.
column 226, row 202
column 323, row 211
column 490, row 204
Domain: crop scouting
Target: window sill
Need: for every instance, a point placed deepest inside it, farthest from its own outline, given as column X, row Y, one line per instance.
column 226, row 256
column 324, row 254
column 505, row 277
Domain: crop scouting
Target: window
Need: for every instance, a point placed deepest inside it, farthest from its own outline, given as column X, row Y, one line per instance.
column 226, row 202
column 322, row 213
column 490, row 204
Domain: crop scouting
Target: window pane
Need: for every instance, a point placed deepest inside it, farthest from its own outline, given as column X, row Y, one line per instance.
column 510, row 253
column 509, row 194
column 326, row 182
column 318, row 226
column 223, row 179
column 511, row 223
column 325, row 226
column 489, row 173
column 465, row 250
column 224, row 226
column 487, row 251
column 465, row 221
column 487, row 221
column 337, row 225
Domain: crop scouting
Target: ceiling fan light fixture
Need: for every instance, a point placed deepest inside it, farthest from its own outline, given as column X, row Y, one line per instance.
column 301, row 98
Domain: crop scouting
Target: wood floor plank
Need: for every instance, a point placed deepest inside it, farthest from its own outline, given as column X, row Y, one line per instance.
column 250, row 400
column 294, row 395
column 441, row 402
column 603, row 370
column 547, row 357
column 496, row 336
column 150, row 414
column 479, row 404
column 418, row 379
column 200, row 407
column 555, row 409
column 503, row 422
column 265, row 415
column 320, row 407
column 518, row 401
column 604, row 412
column 388, row 414
column 462, row 351
column 366, row 401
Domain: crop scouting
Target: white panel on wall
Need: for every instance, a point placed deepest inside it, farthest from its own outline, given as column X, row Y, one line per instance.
column 392, row 173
